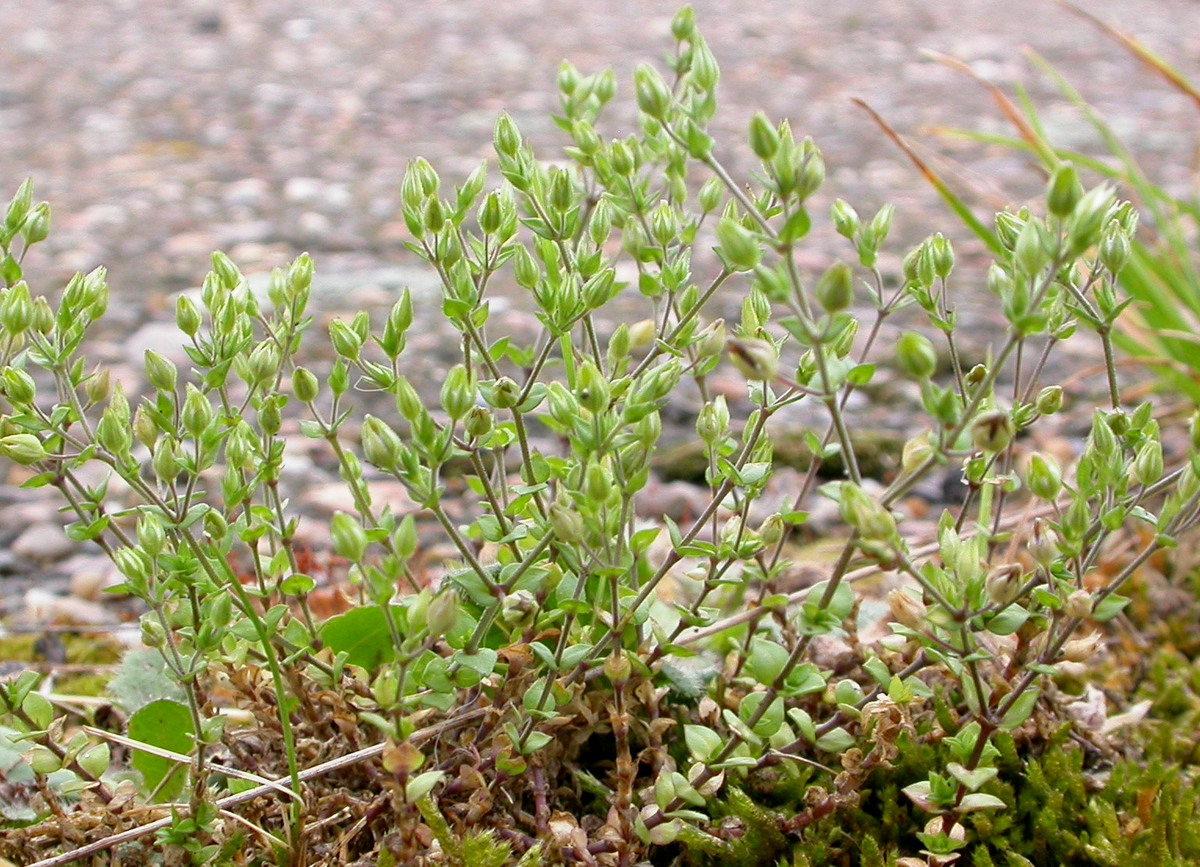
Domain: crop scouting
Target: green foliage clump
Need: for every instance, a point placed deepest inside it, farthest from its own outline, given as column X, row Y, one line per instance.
column 572, row 682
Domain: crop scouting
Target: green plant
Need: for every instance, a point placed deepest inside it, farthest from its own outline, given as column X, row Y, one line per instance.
column 1157, row 268
column 548, row 699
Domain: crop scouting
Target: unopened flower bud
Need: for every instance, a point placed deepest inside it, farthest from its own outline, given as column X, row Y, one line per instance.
column 1148, row 465
column 503, row 393
column 1044, row 477
column 160, row 371
column 711, row 340
column 906, row 609
column 845, row 219
column 349, row 537
column 518, row 609
column 653, row 95
column 617, row 668
column 713, row 421
column 197, row 413
column 772, row 529
column 506, row 138
column 1078, row 605
column 187, row 315
column 641, row 333
column 756, row 359
column 865, row 515
column 764, row 137
column 442, row 613
column 1082, row 649
column 992, row 431
column 1043, row 543
column 458, row 392
column 478, row 422
column 738, row 246
column 835, row 289
column 305, row 385
column 1004, row 584
column 915, row 355
column 22, row 448
column 381, row 445
column 1114, row 248
column 710, row 195
column 1063, row 191
column 566, row 523
column 18, row 386
column 1049, row 400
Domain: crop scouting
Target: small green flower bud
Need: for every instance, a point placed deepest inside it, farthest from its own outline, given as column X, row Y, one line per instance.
column 917, row 452
column 713, row 421
column 381, row 445
column 215, row 525
column 43, row 316
column 764, row 137
column 134, row 565
column 478, row 422
column 865, row 515
column 683, row 25
column 710, row 195
column 503, row 393
column 1114, row 248
column 263, row 364
column 506, row 138
column 153, row 634
column 37, row 225
column 562, row 404
column 226, row 271
column 845, row 219
column 642, row 333
column 1102, row 439
column 197, row 413
column 151, row 536
column 592, row 388
column 617, row 668
column 711, row 340
column 566, row 523
column 269, row 417
column 1049, row 400
column 98, row 386
column 300, row 275
column 915, row 355
column 1043, row 543
column 19, row 387
column 758, row 360
column 349, row 537
column 1030, row 254
column 165, row 462
column 160, row 371
column 772, row 530
column 992, row 431
column 187, row 315
column 1148, row 465
column 653, row 95
column 906, row 609
column 941, row 255
column 1078, row 605
column 458, row 392
column 664, row 224
column 345, row 340
column 16, row 309
column 1004, row 584
column 1043, row 477
column 1063, row 191
column 145, row 429
column 442, row 613
column 835, row 289
column 1089, row 216
column 597, row 482
column 999, row 282
column 491, row 215
column 22, row 448
column 305, row 385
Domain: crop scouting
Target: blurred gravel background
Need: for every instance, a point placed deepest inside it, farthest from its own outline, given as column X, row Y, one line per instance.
column 162, row 130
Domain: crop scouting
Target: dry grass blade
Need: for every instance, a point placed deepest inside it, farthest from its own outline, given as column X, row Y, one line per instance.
column 948, row 196
column 1140, row 51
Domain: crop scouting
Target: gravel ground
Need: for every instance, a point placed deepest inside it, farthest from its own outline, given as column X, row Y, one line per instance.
column 163, row 130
